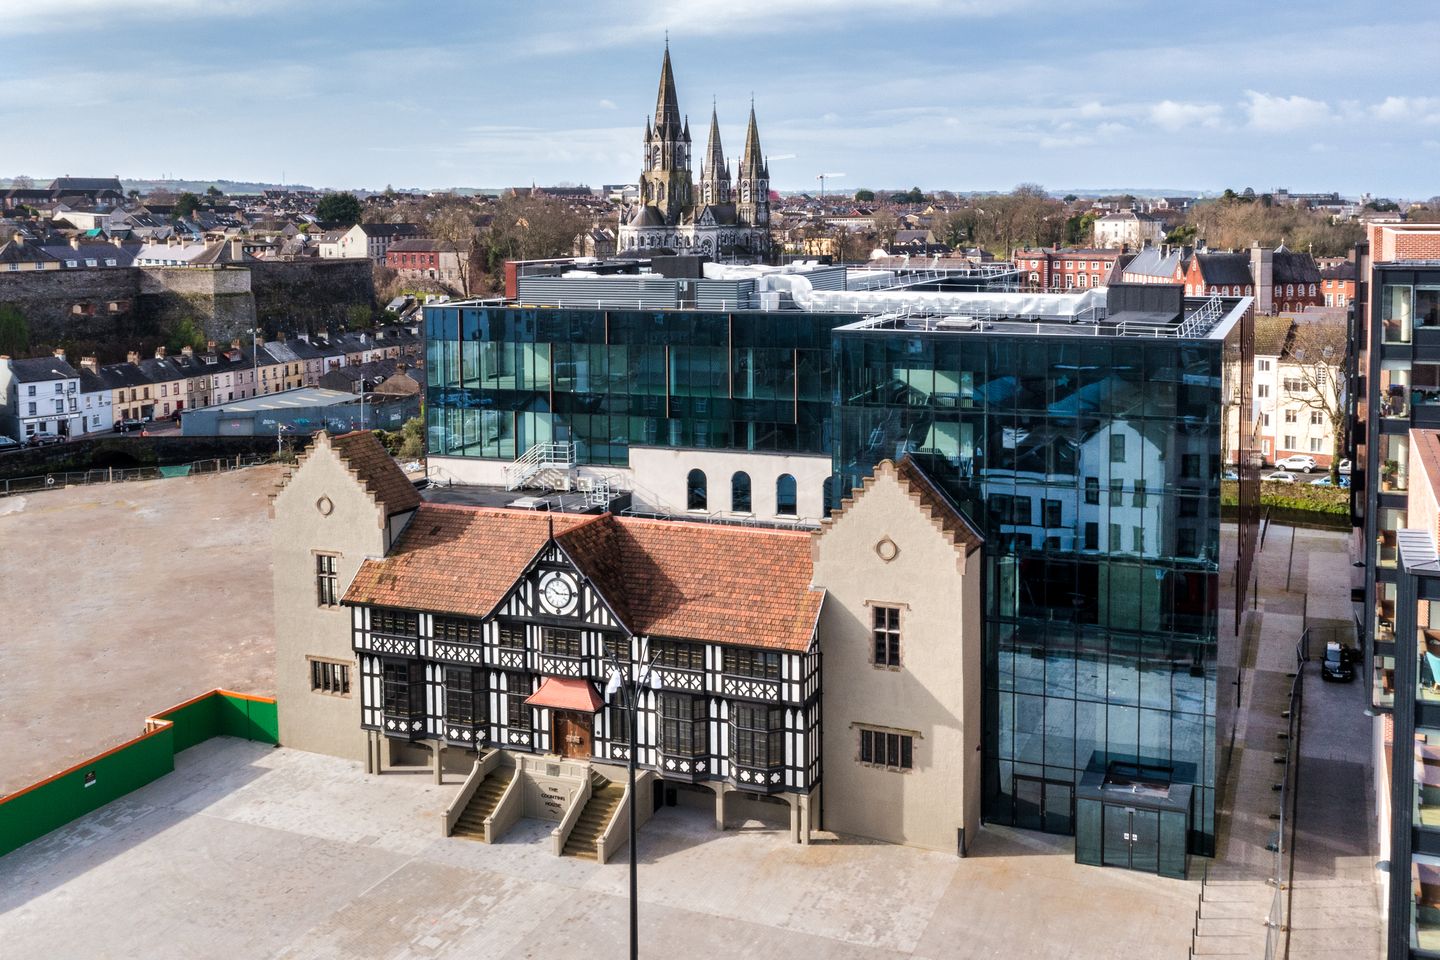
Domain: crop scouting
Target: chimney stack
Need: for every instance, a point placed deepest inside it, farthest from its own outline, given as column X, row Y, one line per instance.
column 187, row 351
column 237, row 249
column 90, row 363
column 209, row 346
column 160, row 352
column 133, row 356
column 59, row 353
column 235, row 344
column 75, row 243
column 1262, row 271
column 280, row 336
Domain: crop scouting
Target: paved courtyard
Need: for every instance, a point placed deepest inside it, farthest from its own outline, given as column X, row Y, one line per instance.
column 268, row 852
column 123, row 599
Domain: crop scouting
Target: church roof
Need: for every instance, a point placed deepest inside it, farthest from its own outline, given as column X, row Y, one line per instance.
column 647, row 216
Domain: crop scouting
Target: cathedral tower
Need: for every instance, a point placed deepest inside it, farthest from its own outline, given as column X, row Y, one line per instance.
column 754, row 181
column 665, row 179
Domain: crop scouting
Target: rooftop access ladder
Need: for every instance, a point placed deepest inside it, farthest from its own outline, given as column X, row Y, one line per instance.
column 540, row 465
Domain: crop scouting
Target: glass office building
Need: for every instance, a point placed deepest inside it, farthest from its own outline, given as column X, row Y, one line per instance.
column 1089, row 455
column 1093, row 466
column 502, row 379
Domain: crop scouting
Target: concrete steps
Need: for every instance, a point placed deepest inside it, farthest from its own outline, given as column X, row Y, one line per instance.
column 599, row 811
column 471, row 824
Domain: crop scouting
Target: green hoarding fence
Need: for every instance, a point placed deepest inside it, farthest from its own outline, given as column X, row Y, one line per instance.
column 55, row 801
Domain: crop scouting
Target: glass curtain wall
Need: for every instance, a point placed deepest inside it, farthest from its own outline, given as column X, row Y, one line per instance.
column 1093, row 467
column 501, row 379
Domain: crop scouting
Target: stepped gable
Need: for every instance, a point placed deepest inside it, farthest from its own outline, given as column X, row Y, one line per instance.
column 369, row 462
column 947, row 517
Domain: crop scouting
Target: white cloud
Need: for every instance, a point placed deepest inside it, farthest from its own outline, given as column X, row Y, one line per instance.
column 606, row 104
column 1176, row 115
column 1408, row 109
column 1284, row 113
column 42, row 16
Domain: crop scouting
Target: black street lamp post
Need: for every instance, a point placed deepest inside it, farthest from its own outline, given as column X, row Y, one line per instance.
column 620, row 681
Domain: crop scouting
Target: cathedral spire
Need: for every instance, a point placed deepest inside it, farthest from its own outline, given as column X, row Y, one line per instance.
column 751, row 164
column 667, row 103
column 714, row 153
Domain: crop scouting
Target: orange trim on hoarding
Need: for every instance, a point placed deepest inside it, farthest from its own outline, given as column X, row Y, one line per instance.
column 158, row 718
column 85, row 763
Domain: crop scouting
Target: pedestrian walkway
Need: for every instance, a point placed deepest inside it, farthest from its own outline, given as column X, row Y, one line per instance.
column 1331, row 906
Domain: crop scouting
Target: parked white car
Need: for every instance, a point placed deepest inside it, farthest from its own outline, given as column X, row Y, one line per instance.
column 1280, row 476
column 1298, row 461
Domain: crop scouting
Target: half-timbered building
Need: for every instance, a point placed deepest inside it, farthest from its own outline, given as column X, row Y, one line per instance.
column 489, row 636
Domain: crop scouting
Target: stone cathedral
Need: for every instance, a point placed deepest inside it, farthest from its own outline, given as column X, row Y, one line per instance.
column 720, row 216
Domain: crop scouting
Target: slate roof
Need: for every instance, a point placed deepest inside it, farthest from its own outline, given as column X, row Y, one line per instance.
column 1225, row 269
column 373, row 467
column 422, row 245
column 1293, row 267
column 1153, row 262
column 731, row 585
column 36, row 369
column 12, row 252
column 1341, row 271
column 389, row 229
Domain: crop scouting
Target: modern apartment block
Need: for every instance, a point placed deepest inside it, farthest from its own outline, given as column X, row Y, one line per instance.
column 1079, row 433
column 1395, row 370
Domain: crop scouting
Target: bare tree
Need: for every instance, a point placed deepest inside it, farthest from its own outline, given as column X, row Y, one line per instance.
column 1314, row 363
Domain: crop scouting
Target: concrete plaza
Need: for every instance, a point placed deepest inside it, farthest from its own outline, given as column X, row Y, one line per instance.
column 267, row 852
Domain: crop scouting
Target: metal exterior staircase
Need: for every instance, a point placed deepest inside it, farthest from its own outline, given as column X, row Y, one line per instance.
column 604, row 800
column 539, row 465
column 471, row 824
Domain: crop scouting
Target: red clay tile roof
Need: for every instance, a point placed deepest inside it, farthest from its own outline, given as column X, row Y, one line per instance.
column 717, row 584
column 733, row 585
column 457, row 560
column 373, row 467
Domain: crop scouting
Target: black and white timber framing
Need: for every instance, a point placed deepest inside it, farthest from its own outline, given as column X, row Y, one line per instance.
column 418, row 669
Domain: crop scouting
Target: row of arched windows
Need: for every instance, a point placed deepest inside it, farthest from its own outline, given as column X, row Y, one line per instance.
column 697, row 493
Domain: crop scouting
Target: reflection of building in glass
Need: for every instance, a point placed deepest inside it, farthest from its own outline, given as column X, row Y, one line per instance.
column 1095, row 465
column 1080, row 433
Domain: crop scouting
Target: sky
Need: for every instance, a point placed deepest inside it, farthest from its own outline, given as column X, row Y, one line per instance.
column 940, row 94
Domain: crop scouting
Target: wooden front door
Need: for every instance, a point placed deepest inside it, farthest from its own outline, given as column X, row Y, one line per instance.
column 572, row 733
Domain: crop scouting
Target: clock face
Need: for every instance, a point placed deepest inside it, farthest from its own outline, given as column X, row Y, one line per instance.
column 558, row 592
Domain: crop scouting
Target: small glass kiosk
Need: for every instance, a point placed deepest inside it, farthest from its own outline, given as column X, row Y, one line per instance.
column 1133, row 815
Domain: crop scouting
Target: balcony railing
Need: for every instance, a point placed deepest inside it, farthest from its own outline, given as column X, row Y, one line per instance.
column 512, row 658
column 467, row 733
column 682, row 765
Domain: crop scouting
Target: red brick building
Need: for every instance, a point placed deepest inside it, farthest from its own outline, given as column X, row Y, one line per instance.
column 1337, row 284
column 1053, row 270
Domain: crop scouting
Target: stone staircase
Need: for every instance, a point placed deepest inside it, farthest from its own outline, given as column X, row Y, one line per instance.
column 471, row 824
column 604, row 799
